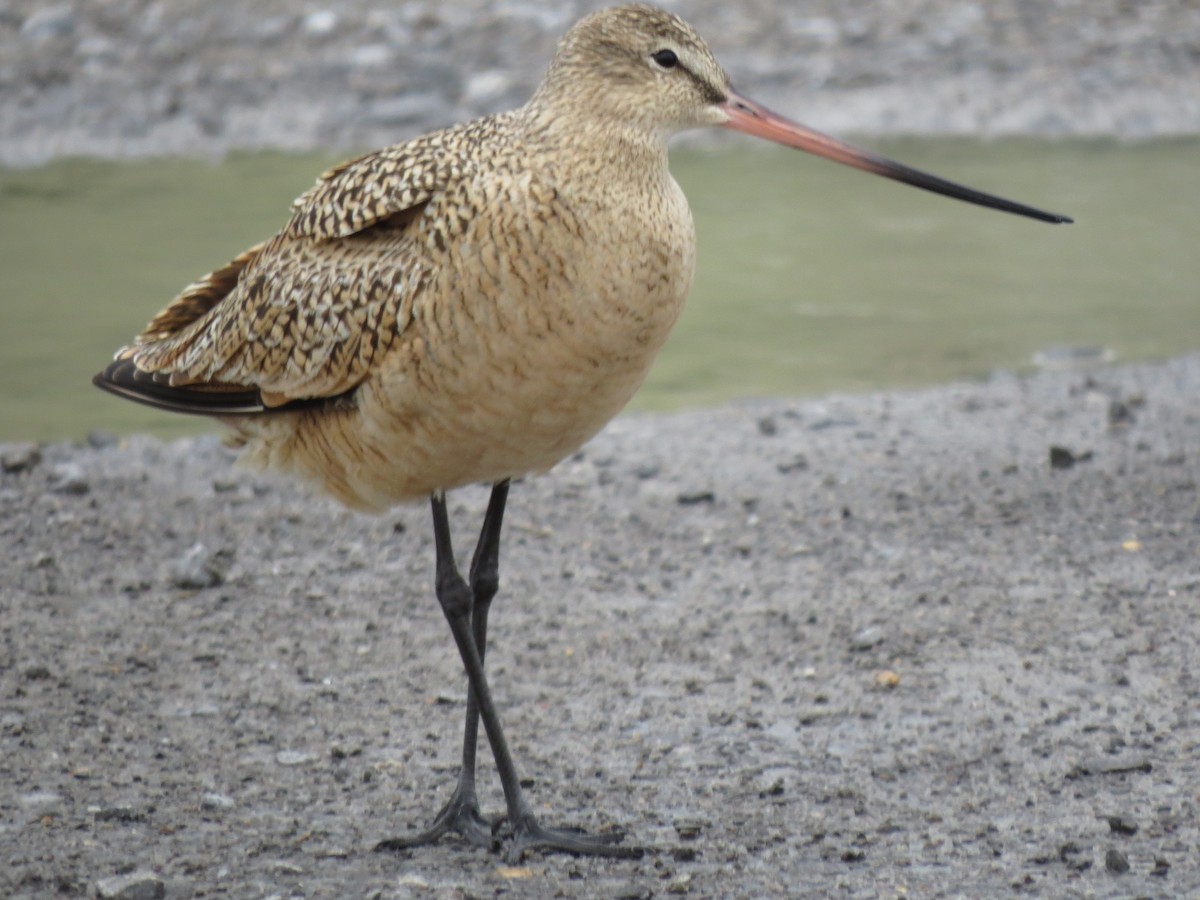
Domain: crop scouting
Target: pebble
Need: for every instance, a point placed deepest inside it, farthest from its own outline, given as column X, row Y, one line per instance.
column 118, row 812
column 99, row 438
column 321, row 22
column 69, row 478
column 199, row 568
column 42, row 803
column 1122, row 825
column 767, row 426
column 679, row 885
column 647, row 470
column 1110, row 765
column 214, row 801
column 487, row 87
column 1062, row 458
column 393, row 112
column 1116, row 861
column 689, row 829
column 869, row 637
column 20, row 457
column 1120, row 414
column 797, row 463
column 37, row 672
column 628, row 890
column 50, row 22
column 134, row 886
column 294, row 757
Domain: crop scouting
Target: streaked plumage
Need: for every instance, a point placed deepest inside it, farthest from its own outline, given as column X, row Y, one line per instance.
column 471, row 305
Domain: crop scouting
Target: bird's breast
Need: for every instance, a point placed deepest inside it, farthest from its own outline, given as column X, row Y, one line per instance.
column 544, row 316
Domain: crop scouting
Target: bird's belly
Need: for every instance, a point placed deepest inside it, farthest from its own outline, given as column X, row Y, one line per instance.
column 524, row 385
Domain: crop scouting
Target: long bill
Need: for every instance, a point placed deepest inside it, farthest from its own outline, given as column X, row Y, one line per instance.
column 751, row 118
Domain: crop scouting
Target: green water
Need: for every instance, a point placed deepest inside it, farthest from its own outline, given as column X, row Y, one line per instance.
column 811, row 277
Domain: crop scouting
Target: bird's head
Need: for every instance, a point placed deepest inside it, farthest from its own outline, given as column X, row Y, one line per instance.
column 642, row 72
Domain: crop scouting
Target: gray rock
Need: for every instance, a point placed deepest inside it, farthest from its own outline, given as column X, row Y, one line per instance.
column 20, row 457
column 42, row 803
column 134, row 886
column 320, row 22
column 99, row 438
column 647, row 470
column 50, row 22
column 215, row 801
column 400, row 111
column 868, row 638
column 69, row 478
column 1122, row 825
column 294, row 757
column 200, row 568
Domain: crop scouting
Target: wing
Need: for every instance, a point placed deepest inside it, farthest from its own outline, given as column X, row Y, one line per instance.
column 304, row 316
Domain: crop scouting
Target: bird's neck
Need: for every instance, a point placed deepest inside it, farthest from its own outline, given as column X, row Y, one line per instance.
column 611, row 147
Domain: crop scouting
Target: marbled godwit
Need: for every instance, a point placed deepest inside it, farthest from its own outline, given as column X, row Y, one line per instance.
column 472, row 306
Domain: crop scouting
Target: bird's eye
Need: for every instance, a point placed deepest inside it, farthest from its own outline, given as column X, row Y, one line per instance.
column 666, row 58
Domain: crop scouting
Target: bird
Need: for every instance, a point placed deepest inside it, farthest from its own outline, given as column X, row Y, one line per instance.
column 472, row 306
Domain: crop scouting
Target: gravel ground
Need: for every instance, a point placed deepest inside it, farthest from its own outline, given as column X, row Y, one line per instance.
column 919, row 644
column 124, row 78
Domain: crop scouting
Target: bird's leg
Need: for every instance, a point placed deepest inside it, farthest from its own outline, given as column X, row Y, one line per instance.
column 457, row 600
column 461, row 812
column 485, row 581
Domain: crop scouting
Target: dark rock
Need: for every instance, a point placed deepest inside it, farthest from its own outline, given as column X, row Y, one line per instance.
column 1122, row 825
column 1106, row 765
column 120, row 812
column 689, row 829
column 1062, row 458
column 1116, row 861
column 1120, row 414
column 798, row 463
column 1074, row 857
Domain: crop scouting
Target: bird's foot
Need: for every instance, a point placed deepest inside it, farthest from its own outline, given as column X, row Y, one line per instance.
column 461, row 815
column 528, row 834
